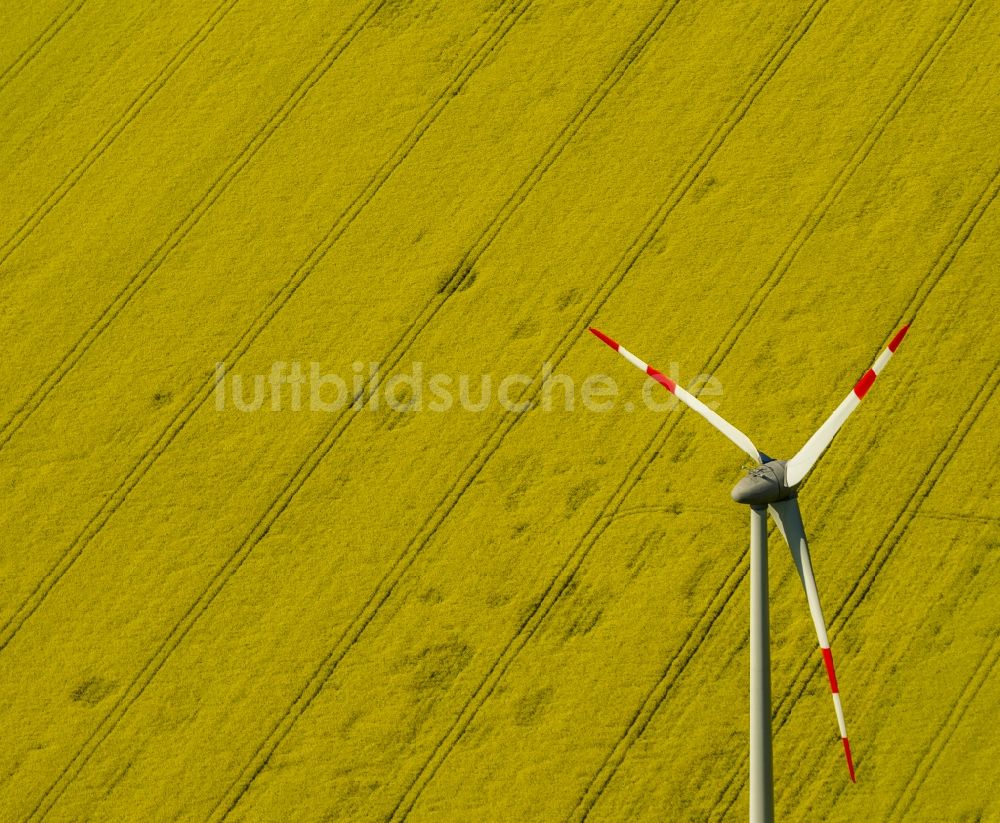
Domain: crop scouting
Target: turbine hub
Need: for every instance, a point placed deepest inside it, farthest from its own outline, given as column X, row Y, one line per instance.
column 763, row 485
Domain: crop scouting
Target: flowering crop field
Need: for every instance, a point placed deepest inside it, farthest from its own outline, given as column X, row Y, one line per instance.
column 320, row 503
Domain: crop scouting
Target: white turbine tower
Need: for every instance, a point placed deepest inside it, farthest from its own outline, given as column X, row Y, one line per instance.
column 772, row 486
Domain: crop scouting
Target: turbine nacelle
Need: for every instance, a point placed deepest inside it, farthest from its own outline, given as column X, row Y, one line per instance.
column 764, row 484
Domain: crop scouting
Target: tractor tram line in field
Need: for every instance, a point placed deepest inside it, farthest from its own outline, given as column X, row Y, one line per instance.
column 517, row 198
column 646, row 711
column 732, row 581
column 964, row 9
column 798, row 241
column 866, row 578
column 489, row 36
column 784, row 705
column 970, row 691
column 309, row 464
column 884, row 548
column 913, row 509
column 65, row 561
column 112, row 504
column 888, row 114
column 267, row 314
column 193, row 216
column 393, row 576
column 782, row 266
column 277, row 302
column 962, row 518
column 472, row 63
column 30, row 52
column 561, row 582
column 580, row 117
column 941, row 264
column 104, row 142
column 630, row 56
column 657, row 695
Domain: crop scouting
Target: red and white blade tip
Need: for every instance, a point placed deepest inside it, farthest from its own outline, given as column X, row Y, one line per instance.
column 603, row 338
column 850, row 760
column 835, row 689
column 894, row 343
column 801, row 464
column 640, row 364
column 868, row 378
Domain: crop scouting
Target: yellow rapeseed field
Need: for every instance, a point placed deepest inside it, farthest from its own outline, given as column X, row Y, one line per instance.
column 251, row 566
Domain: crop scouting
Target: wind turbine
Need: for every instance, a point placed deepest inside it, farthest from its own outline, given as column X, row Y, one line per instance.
column 772, row 485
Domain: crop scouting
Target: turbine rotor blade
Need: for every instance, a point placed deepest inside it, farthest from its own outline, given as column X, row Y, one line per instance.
column 788, row 519
column 688, row 399
column 798, row 467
